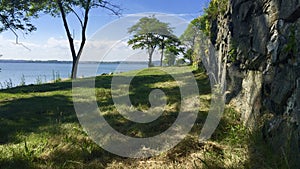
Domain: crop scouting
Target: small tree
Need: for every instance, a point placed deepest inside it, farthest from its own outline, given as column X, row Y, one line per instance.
column 188, row 38
column 145, row 41
column 150, row 33
column 170, row 58
column 171, row 42
column 172, row 52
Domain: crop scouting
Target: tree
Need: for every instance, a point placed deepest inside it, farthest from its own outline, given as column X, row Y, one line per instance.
column 61, row 8
column 172, row 51
column 170, row 58
column 148, row 41
column 150, row 33
column 170, row 42
column 166, row 38
column 189, row 36
column 15, row 15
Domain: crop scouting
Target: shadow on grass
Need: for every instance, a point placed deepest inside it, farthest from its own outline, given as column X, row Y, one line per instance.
column 28, row 114
column 101, row 81
column 16, row 162
column 139, row 91
column 48, row 87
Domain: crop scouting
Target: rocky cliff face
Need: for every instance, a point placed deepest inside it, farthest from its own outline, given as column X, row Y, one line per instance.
column 261, row 40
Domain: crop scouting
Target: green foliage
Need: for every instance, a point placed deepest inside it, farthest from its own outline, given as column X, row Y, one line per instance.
column 143, row 41
column 189, row 35
column 291, row 46
column 188, row 39
column 150, row 33
column 204, row 24
column 199, row 30
column 170, row 58
column 147, row 25
column 52, row 7
column 215, row 8
column 81, row 10
column 14, row 15
column 189, row 54
column 232, row 54
column 180, row 62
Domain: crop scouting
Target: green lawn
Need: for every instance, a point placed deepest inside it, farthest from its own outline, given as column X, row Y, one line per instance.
column 39, row 128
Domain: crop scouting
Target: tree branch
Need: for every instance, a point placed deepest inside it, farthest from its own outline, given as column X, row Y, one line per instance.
column 64, row 18
column 14, row 32
column 78, row 17
column 84, row 27
column 115, row 9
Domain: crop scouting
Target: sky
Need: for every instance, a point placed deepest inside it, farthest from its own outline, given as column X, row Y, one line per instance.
column 106, row 33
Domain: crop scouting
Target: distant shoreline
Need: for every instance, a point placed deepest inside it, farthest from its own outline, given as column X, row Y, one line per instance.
column 70, row 62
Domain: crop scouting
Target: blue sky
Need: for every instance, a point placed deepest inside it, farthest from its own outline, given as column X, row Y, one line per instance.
column 49, row 41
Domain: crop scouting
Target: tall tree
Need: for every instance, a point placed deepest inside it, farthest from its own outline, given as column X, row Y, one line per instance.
column 165, row 38
column 150, row 33
column 81, row 10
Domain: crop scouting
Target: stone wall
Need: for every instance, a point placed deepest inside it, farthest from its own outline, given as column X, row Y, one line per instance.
column 261, row 39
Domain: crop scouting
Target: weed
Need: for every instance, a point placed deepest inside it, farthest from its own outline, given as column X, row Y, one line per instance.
column 8, row 84
column 38, row 80
column 22, row 82
column 55, row 76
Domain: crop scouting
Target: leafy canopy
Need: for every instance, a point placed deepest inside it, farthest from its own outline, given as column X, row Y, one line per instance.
column 152, row 25
column 15, row 15
column 150, row 33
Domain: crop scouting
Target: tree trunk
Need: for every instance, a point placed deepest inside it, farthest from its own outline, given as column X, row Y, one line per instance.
column 150, row 51
column 162, row 56
column 74, row 68
column 70, row 39
column 75, row 56
column 162, row 51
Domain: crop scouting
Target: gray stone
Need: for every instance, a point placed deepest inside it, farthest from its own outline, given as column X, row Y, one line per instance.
column 245, row 10
column 260, row 34
column 272, row 46
column 283, row 85
column 261, row 79
column 249, row 99
column 287, row 8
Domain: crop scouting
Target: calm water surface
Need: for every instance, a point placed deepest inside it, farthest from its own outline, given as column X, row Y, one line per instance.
column 32, row 73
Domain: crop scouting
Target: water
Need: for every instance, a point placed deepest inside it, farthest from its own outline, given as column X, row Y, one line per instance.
column 33, row 73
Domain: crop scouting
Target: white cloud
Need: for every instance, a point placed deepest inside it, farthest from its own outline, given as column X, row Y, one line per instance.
column 52, row 49
column 58, row 49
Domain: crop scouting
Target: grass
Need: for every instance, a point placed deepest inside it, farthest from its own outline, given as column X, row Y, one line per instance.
column 39, row 128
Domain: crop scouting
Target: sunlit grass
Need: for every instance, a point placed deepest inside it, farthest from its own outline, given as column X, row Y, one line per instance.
column 39, row 127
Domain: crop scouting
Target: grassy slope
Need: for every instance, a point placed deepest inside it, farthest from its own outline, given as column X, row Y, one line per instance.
column 39, row 129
